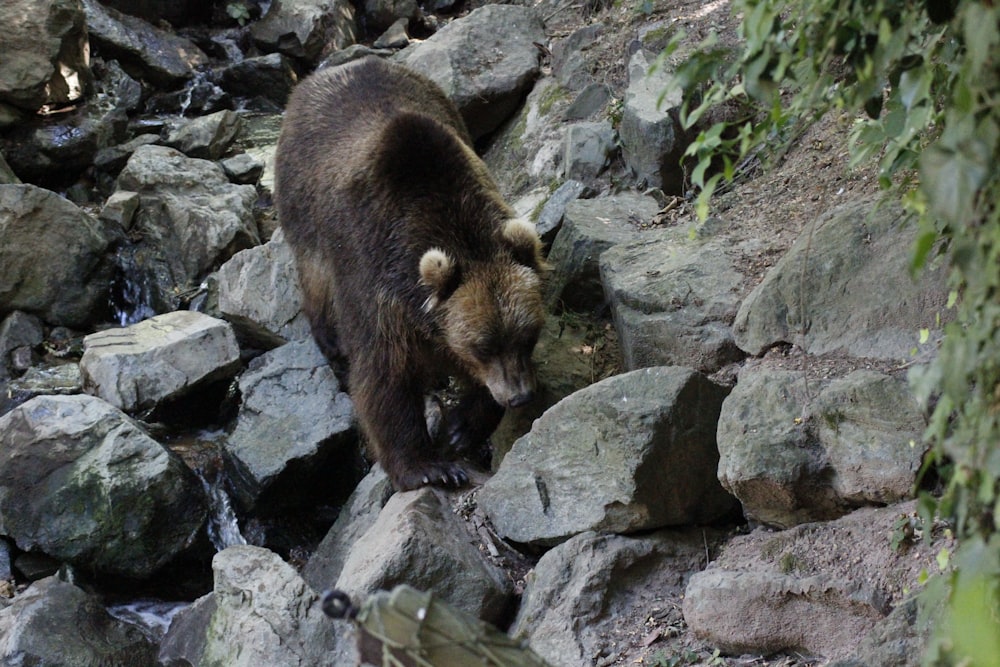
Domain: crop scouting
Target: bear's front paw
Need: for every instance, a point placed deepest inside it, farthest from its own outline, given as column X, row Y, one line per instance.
column 446, row 474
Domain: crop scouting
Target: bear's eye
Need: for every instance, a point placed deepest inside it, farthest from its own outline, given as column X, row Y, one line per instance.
column 485, row 350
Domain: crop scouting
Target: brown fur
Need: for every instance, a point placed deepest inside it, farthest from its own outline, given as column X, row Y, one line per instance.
column 411, row 264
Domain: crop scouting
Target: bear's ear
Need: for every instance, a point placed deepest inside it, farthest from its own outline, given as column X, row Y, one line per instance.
column 439, row 272
column 521, row 237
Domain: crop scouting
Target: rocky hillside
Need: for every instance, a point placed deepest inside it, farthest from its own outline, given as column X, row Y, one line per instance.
column 719, row 469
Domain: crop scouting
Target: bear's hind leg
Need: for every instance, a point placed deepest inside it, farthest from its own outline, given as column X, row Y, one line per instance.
column 393, row 419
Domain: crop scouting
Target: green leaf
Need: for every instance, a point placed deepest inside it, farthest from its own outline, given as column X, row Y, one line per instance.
column 951, row 179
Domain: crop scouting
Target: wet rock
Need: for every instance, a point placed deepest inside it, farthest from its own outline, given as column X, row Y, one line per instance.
column 17, row 330
column 673, row 301
column 64, row 279
column 61, row 380
column 485, row 62
column 123, row 503
column 629, row 453
column 259, row 613
column 356, row 517
column 144, row 51
column 795, row 450
column 819, row 295
column 115, row 87
column 190, row 220
column 818, row 589
column 294, row 426
column 53, row 622
column 243, row 169
column 162, row 358
column 418, row 540
column 581, row 588
column 589, row 149
column 259, row 293
column 591, row 226
column 652, row 138
column 44, row 53
column 207, row 137
column 304, row 28
column 270, row 77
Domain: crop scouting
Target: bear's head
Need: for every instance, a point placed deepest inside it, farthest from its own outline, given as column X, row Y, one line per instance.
column 491, row 312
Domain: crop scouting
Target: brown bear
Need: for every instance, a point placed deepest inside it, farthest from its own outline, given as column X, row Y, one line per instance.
column 411, row 264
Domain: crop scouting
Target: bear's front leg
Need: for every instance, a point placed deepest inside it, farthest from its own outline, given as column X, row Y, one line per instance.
column 469, row 425
column 391, row 415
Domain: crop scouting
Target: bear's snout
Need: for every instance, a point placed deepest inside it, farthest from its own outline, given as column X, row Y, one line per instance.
column 521, row 399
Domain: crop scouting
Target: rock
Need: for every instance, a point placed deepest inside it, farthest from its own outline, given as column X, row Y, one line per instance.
column 120, row 208
column 819, row 295
column 113, row 159
column 271, row 77
column 190, row 220
column 794, row 450
column 17, row 330
column 352, row 53
column 64, row 278
column 260, row 612
column 145, row 52
column 673, row 301
column 44, row 53
column 53, row 622
column 303, row 28
column 527, row 151
column 82, row 482
column 356, row 517
column 591, row 226
column 898, row 641
column 259, row 293
column 589, row 149
column 381, row 15
column 652, row 138
column 61, row 380
column 207, row 137
column 174, row 12
column 243, row 169
column 629, row 453
column 588, row 102
column 817, row 589
column 7, row 175
column 551, row 216
column 580, row 590
column 294, row 424
column 485, row 62
column 571, row 64
column 418, row 540
column 159, row 359
column 395, row 36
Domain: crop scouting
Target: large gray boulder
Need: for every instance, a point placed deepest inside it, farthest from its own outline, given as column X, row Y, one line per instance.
column 191, row 219
column 845, row 286
column 82, row 482
column 485, row 62
column 673, row 302
column 579, row 592
column 630, row 453
column 207, row 137
column 53, row 622
column 164, row 357
column 418, row 540
column 144, row 51
column 652, row 137
column 44, row 48
column 591, row 226
column 54, row 258
column 294, row 423
column 259, row 294
column 356, row 517
column 304, row 28
column 817, row 589
column 260, row 612
column 796, row 449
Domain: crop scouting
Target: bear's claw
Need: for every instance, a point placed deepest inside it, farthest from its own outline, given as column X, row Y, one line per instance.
column 448, row 475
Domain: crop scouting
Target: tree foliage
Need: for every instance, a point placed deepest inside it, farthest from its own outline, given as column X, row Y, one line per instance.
column 923, row 79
